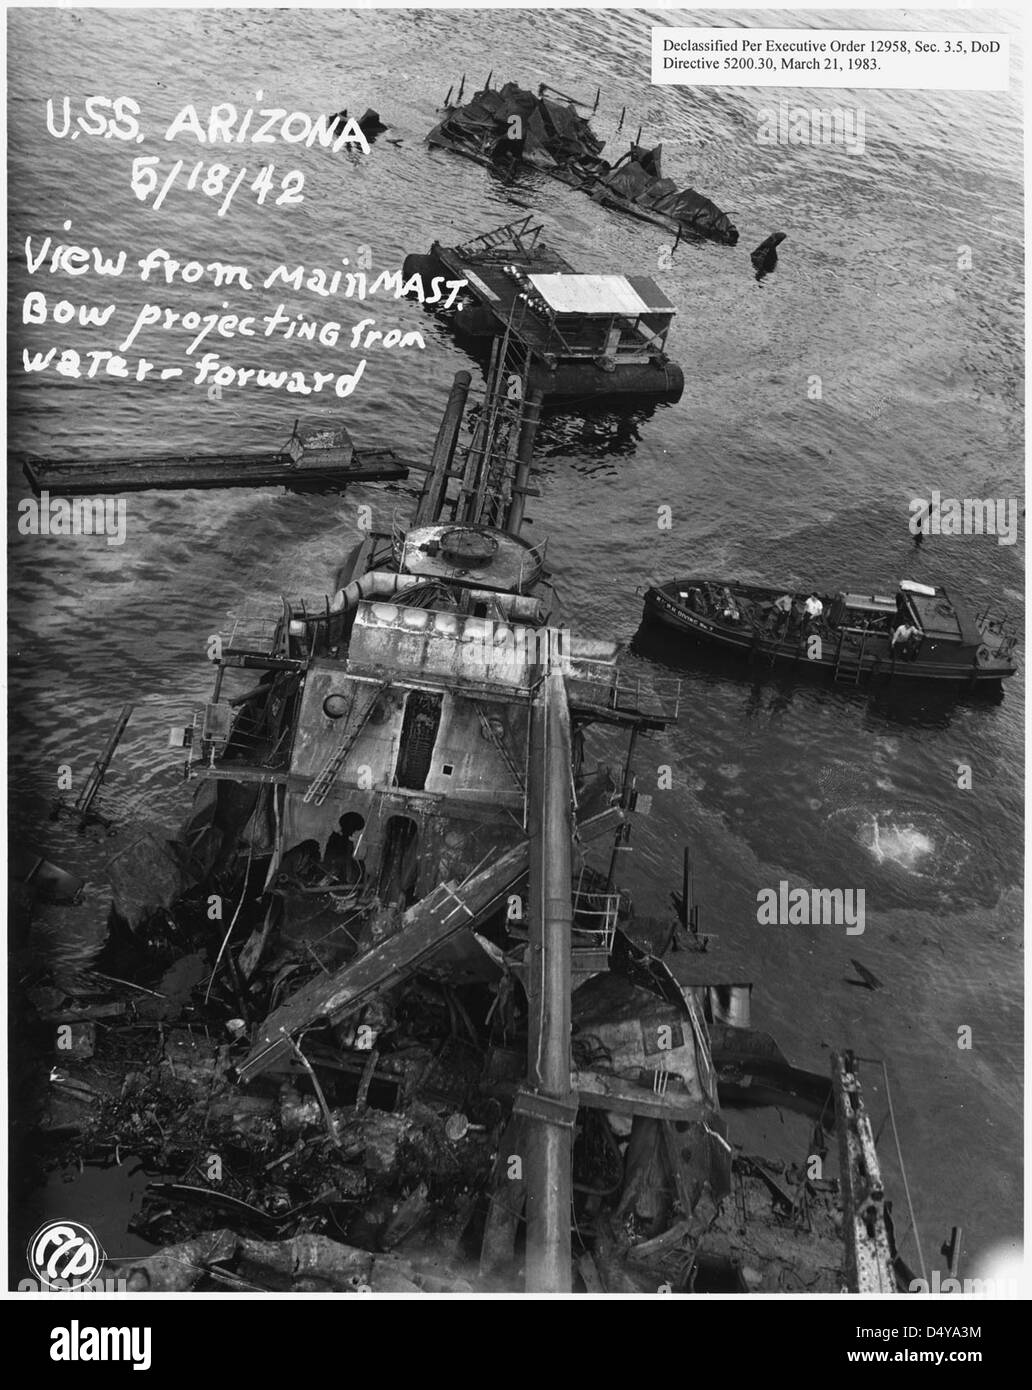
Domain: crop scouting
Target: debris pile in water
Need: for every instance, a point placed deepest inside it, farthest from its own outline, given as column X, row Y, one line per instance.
column 389, row 1168
column 510, row 125
column 429, row 1017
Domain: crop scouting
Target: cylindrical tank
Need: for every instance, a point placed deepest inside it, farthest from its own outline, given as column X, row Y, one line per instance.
column 584, row 381
column 426, row 267
column 476, row 320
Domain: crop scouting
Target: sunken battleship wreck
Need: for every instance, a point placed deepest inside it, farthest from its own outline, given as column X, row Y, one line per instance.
column 510, row 127
column 438, row 1049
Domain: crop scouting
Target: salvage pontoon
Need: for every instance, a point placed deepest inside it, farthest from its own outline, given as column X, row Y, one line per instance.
column 586, row 337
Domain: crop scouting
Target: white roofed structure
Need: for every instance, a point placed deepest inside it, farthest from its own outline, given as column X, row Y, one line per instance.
column 601, row 295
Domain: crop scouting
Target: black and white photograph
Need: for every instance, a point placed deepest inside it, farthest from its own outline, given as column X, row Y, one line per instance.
column 515, row 625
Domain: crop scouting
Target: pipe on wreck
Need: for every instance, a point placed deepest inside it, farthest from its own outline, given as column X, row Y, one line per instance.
column 385, row 584
column 551, row 1108
column 372, row 584
column 516, row 608
column 435, row 484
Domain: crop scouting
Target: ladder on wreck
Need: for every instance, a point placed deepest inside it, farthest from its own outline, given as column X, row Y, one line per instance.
column 849, row 665
column 490, row 466
column 512, row 234
column 319, row 787
column 593, row 931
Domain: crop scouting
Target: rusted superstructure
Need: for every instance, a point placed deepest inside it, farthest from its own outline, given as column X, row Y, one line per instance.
column 404, row 797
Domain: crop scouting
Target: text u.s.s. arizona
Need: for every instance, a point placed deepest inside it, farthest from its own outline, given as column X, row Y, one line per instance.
column 223, row 124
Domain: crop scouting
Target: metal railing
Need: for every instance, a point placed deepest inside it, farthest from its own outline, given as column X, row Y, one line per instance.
column 660, row 699
column 595, row 917
column 251, row 633
column 531, row 563
column 510, row 234
column 993, row 623
column 398, row 537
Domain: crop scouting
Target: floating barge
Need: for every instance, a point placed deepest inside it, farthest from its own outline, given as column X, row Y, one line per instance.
column 318, row 456
column 920, row 633
column 586, row 337
column 510, row 126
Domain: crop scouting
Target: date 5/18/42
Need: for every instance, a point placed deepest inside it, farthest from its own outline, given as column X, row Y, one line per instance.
column 151, row 180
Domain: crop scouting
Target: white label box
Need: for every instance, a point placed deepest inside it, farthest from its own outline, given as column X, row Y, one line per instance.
column 843, row 58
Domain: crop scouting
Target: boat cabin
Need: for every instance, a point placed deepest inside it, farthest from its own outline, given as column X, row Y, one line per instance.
column 871, row 611
column 928, row 609
column 937, row 617
column 621, row 318
column 581, row 336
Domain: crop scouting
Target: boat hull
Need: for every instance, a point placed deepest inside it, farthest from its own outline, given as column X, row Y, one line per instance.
column 878, row 661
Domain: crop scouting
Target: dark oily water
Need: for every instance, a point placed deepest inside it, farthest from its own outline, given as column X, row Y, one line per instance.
column 769, row 780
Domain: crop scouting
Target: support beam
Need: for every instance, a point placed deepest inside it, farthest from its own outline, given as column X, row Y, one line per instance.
column 868, row 1248
column 525, row 459
column 447, row 912
column 93, row 783
column 435, row 485
column 549, row 1120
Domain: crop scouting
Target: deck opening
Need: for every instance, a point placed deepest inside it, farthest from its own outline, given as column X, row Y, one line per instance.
column 418, row 736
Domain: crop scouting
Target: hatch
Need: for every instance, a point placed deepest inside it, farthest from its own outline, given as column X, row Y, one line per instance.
column 475, row 556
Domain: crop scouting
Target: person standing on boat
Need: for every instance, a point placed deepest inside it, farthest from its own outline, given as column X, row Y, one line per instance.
column 904, row 641
column 813, row 608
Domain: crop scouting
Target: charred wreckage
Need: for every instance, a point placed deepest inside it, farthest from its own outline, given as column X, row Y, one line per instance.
column 425, row 1042
column 381, row 1015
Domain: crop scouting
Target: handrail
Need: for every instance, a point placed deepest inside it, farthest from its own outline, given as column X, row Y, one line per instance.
column 658, row 697
column 398, row 535
column 495, row 237
column 250, row 629
column 532, row 558
column 608, row 910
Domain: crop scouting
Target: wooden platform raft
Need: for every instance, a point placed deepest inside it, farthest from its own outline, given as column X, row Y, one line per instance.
column 318, row 456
